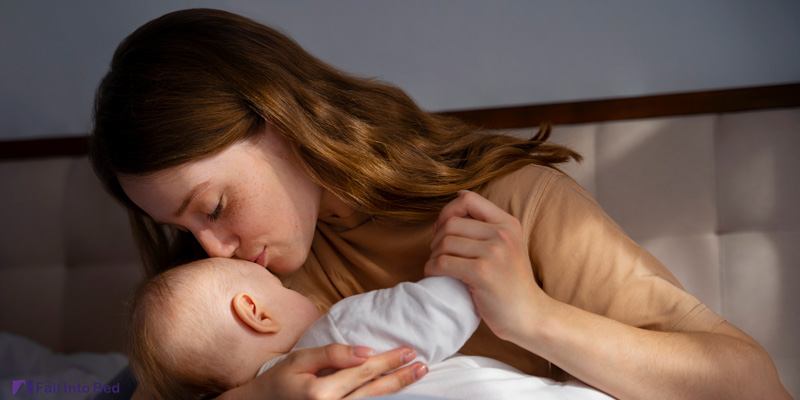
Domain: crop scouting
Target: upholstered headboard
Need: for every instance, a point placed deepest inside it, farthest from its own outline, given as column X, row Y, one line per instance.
column 708, row 182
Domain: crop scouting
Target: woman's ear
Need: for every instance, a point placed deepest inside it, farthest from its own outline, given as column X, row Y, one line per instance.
column 254, row 314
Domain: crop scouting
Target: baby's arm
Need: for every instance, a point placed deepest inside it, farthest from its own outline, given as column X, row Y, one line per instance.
column 434, row 316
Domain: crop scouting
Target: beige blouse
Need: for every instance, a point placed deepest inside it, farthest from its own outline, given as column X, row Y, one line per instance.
column 579, row 256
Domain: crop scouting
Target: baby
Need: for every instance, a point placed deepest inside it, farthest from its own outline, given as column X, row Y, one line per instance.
column 206, row 327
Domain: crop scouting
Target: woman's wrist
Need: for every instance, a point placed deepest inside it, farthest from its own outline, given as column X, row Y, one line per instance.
column 537, row 324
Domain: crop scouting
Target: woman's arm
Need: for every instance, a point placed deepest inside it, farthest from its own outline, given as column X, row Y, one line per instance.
column 483, row 246
column 633, row 363
column 296, row 377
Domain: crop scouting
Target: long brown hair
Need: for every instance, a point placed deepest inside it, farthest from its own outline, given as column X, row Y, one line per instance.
column 190, row 83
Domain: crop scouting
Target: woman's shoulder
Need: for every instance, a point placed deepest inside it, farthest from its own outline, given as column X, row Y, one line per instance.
column 524, row 184
column 531, row 175
column 524, row 192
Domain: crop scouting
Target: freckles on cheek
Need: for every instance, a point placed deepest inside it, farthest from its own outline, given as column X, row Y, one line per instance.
column 247, row 206
column 236, row 207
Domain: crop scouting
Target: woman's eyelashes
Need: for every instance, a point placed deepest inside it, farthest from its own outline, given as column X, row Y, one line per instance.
column 214, row 215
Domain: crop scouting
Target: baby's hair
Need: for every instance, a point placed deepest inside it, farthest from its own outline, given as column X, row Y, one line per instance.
column 172, row 330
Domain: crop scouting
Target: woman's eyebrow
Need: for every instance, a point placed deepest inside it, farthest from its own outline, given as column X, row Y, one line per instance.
column 189, row 197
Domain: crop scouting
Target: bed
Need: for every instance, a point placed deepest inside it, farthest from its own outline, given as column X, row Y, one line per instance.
column 706, row 181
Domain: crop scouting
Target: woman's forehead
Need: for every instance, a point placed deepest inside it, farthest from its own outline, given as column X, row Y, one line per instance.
column 194, row 171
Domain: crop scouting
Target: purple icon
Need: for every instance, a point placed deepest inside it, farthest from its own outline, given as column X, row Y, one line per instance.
column 15, row 385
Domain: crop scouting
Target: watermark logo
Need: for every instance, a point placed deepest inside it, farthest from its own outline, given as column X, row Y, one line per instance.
column 61, row 387
column 15, row 385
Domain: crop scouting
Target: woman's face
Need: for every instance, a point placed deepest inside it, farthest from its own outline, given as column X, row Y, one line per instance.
column 251, row 201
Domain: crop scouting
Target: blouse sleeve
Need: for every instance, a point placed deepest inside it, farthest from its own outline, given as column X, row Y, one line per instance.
column 583, row 258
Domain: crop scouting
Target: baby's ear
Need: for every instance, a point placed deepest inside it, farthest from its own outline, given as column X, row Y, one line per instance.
column 254, row 314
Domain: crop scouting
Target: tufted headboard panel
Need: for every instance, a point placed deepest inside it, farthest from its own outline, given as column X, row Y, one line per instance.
column 715, row 198
column 67, row 259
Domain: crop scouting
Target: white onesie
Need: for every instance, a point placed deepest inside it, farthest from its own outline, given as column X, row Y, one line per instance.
column 434, row 316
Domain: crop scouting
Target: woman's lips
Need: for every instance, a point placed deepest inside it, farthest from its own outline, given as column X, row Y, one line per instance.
column 262, row 258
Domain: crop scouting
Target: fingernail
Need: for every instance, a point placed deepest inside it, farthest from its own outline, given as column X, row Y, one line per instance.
column 420, row 371
column 435, row 227
column 362, row 352
column 409, row 356
column 463, row 192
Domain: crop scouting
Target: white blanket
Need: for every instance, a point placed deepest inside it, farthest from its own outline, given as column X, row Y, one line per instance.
column 480, row 378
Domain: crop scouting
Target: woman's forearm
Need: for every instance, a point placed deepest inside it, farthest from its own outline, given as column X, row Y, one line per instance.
column 632, row 363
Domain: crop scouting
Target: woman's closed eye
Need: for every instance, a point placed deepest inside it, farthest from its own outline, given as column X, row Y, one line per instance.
column 214, row 215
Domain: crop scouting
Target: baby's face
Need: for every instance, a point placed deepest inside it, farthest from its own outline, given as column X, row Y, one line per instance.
column 292, row 311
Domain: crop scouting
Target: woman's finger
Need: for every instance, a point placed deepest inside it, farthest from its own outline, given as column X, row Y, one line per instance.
column 352, row 378
column 336, row 356
column 471, row 204
column 391, row 383
column 460, row 247
column 464, row 227
column 465, row 270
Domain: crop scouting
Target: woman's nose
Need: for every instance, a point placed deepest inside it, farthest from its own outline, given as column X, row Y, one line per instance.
column 217, row 243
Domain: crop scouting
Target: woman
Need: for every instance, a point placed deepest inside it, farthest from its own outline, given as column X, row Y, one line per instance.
column 224, row 138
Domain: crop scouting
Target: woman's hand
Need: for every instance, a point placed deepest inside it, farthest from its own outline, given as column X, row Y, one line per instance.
column 482, row 245
column 296, row 377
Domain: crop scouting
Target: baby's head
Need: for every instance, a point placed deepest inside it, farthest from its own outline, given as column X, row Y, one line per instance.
column 206, row 327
